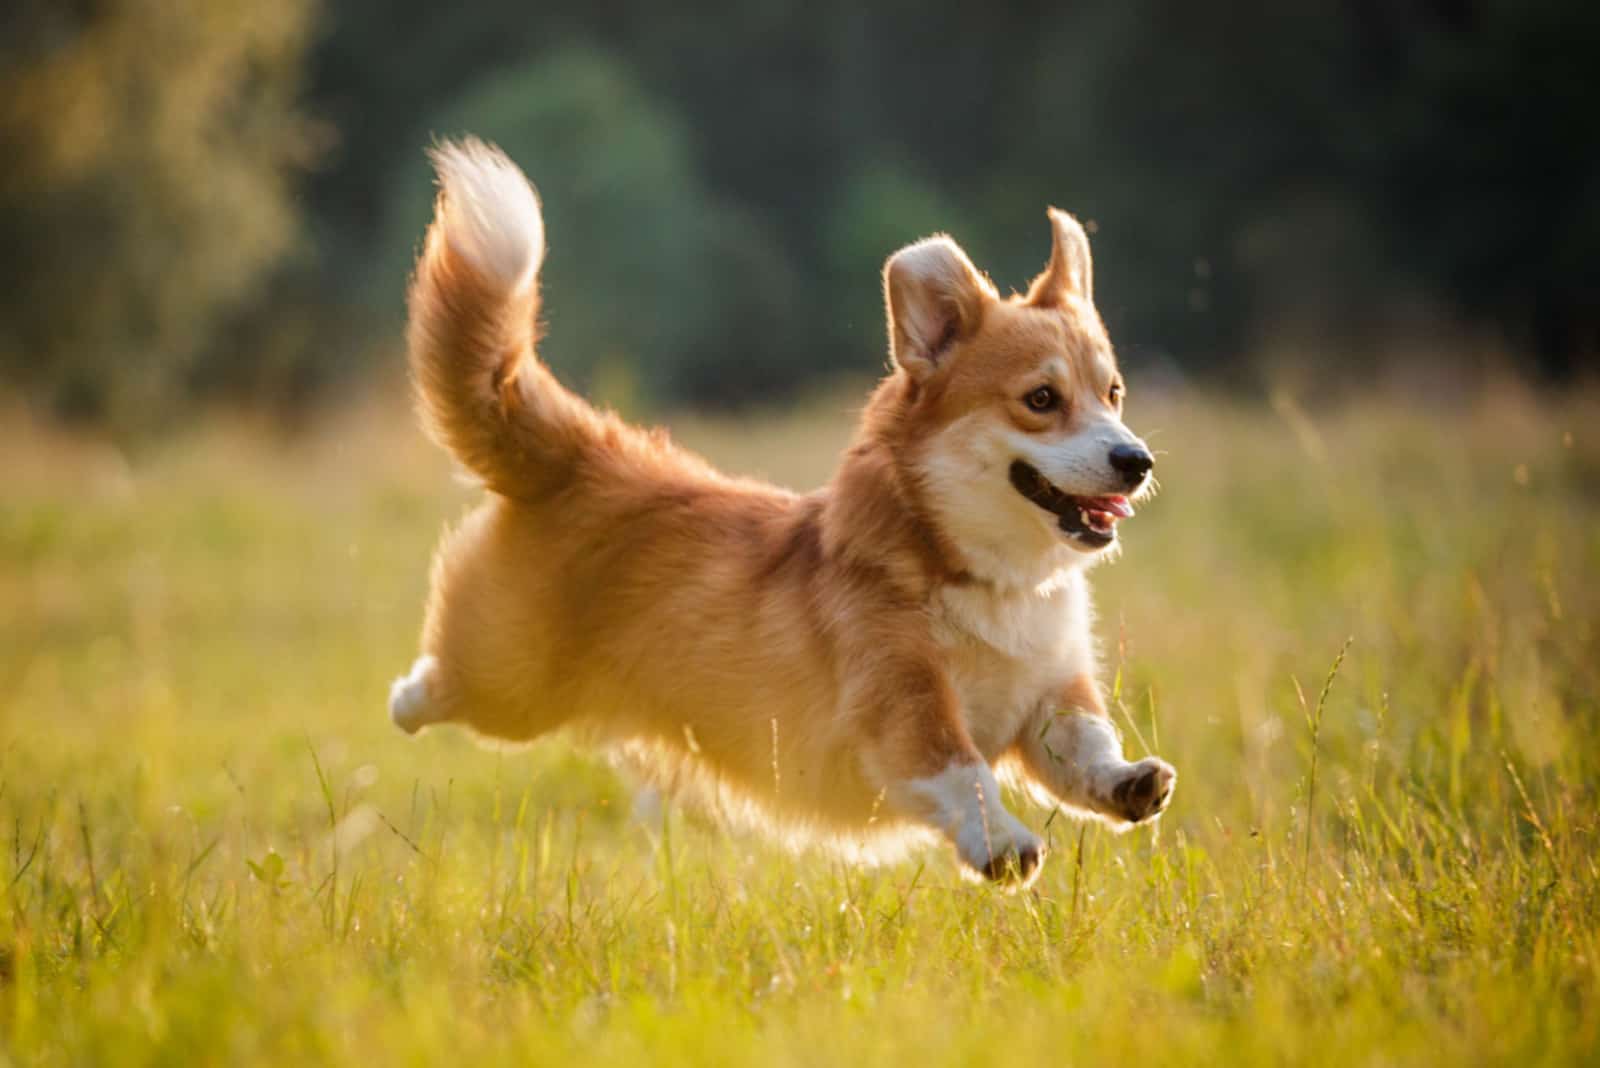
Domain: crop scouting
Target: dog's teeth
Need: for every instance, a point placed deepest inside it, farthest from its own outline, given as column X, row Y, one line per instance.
column 1101, row 522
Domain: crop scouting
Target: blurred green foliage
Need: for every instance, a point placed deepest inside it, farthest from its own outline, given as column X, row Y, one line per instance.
column 146, row 191
column 226, row 197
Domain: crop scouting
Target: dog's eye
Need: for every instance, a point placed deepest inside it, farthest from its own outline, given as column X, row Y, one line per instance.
column 1115, row 396
column 1043, row 399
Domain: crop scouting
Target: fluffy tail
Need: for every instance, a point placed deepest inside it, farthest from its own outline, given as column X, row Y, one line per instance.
column 473, row 303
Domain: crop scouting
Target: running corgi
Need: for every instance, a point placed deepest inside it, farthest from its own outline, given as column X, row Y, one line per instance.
column 850, row 664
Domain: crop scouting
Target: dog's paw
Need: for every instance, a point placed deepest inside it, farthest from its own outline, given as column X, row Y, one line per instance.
column 1142, row 791
column 1008, row 853
column 1020, row 865
column 964, row 802
column 411, row 699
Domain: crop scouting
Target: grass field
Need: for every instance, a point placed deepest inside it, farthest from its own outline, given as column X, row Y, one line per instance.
column 215, row 849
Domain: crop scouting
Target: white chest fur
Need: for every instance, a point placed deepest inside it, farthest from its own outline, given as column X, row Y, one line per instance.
column 1009, row 652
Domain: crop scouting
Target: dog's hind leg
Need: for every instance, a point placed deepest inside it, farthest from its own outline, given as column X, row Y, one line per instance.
column 414, row 699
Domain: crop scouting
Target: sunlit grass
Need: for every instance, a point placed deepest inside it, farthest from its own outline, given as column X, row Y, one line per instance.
column 214, row 848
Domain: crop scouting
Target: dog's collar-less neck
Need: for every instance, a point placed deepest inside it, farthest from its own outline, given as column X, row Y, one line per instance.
column 948, row 566
column 935, row 551
column 942, row 559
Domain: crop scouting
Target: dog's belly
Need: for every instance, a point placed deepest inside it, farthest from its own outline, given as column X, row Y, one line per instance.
column 1010, row 656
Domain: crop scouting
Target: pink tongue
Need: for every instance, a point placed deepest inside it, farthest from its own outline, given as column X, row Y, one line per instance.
column 1116, row 505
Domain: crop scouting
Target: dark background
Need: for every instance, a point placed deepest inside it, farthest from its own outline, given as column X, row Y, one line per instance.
column 206, row 201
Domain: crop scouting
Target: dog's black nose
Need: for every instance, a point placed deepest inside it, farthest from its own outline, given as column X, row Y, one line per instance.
column 1132, row 462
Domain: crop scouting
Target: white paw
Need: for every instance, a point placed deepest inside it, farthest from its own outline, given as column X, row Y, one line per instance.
column 964, row 801
column 1137, row 792
column 411, row 701
column 1001, row 850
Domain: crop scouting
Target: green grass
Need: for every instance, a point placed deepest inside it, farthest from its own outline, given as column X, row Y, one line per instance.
column 215, row 849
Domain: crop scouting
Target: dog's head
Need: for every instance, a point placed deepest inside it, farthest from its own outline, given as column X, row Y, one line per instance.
column 1017, row 404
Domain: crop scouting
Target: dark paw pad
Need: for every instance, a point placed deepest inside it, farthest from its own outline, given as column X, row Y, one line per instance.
column 1017, row 866
column 1145, row 793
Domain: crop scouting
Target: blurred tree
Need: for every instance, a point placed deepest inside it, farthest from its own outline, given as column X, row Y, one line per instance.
column 149, row 149
column 1256, row 171
column 1488, row 182
column 724, row 182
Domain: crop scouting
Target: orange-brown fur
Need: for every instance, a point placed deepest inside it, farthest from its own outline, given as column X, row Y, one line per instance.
column 788, row 645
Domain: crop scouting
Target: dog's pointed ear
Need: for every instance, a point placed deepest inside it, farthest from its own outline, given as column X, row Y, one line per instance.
column 1071, row 270
column 935, row 296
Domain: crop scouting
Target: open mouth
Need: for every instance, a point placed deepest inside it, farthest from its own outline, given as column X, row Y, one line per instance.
column 1092, row 521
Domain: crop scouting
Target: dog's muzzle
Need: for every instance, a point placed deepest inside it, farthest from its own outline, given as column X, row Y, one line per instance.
column 1091, row 521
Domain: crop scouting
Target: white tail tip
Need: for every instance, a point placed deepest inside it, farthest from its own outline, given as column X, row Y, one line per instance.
column 489, row 212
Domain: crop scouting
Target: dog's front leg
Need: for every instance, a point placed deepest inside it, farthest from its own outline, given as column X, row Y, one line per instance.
column 926, row 768
column 1076, row 754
